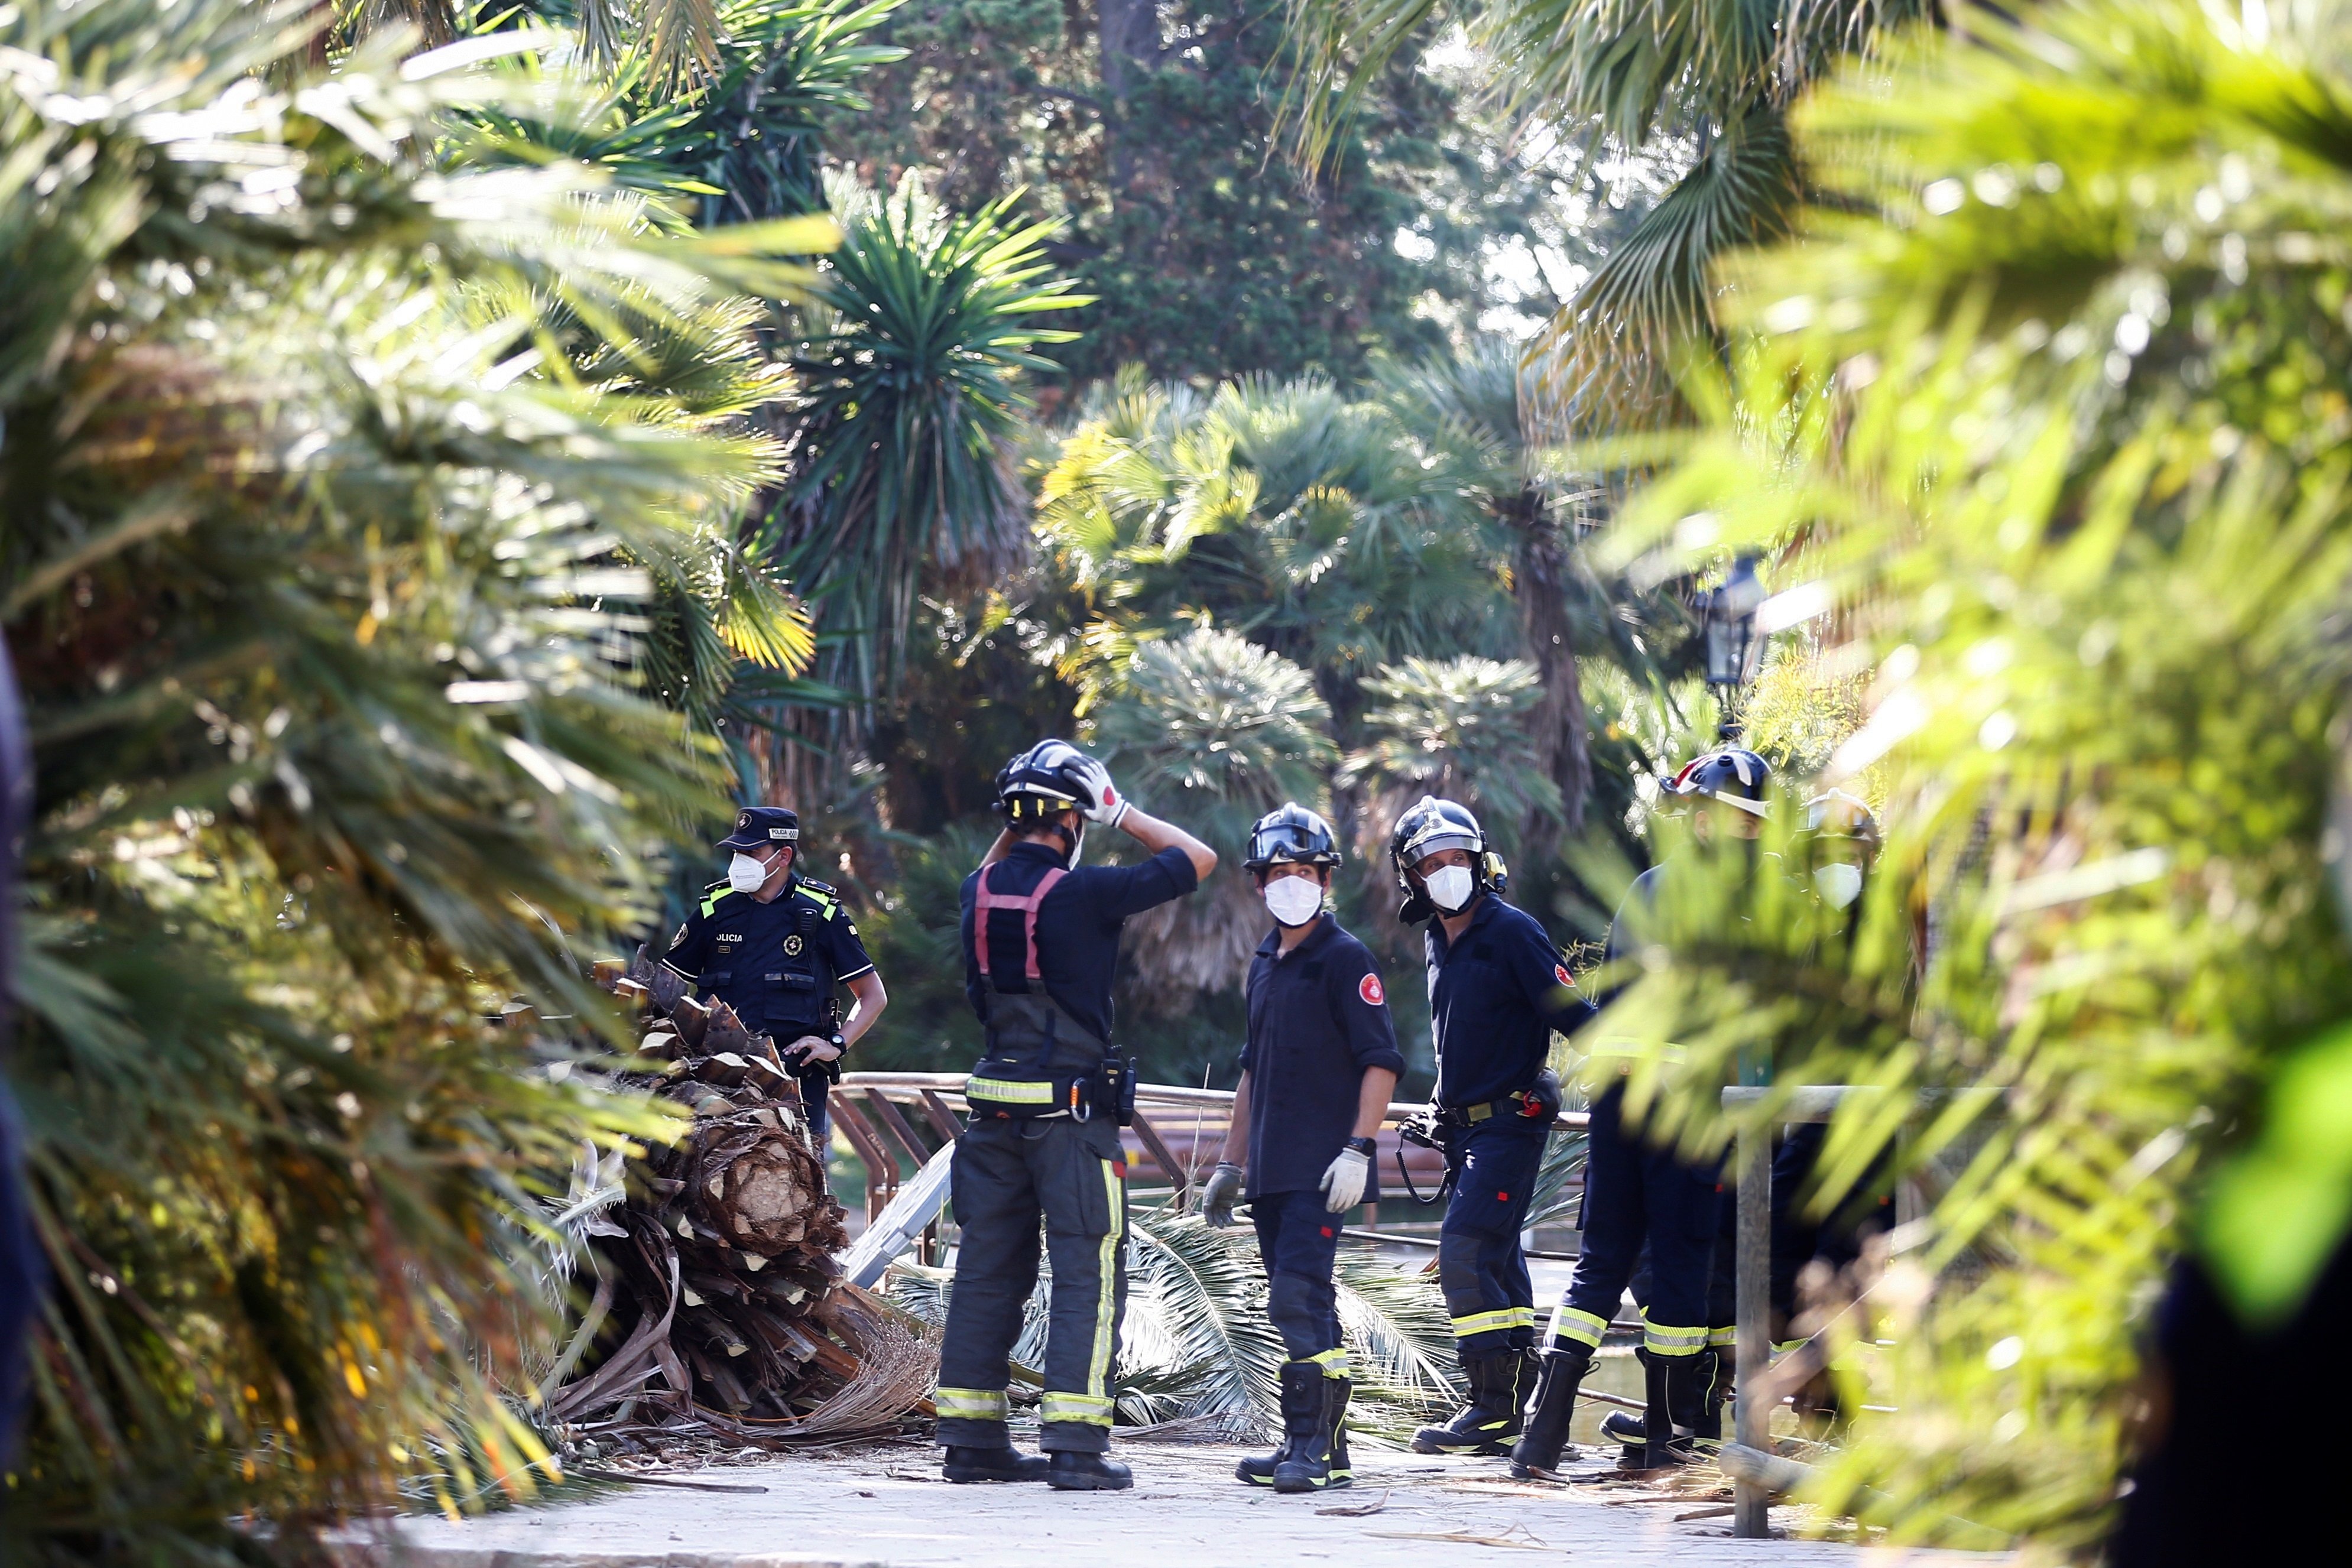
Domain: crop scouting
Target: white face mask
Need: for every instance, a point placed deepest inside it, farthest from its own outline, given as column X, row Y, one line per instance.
column 1294, row 900
column 745, row 874
column 1449, row 887
column 1838, row 884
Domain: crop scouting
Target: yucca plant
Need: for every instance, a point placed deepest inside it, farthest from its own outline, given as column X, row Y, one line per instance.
column 911, row 401
column 323, row 571
column 2053, row 419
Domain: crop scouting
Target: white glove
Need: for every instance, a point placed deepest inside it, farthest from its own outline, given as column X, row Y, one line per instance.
column 1344, row 1179
column 1110, row 807
column 1220, row 1193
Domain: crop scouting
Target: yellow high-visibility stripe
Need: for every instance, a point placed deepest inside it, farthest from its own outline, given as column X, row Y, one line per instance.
column 1082, row 1408
column 1500, row 1318
column 1011, row 1090
column 1569, row 1323
column 1107, row 1301
column 971, row 1404
column 1334, row 1363
column 1670, row 1339
column 1722, row 1336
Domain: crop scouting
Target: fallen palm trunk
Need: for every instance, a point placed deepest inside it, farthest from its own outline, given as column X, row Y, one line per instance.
column 728, row 1315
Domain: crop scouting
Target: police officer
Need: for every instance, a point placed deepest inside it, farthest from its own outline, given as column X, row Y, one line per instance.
column 771, row 944
column 1316, row 1074
column 1636, row 1193
column 1040, row 945
column 1496, row 990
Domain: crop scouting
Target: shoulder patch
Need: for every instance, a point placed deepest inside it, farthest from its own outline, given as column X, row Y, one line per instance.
column 1560, row 972
column 1368, row 987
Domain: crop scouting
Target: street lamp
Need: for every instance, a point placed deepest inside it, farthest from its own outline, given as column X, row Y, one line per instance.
column 1728, row 622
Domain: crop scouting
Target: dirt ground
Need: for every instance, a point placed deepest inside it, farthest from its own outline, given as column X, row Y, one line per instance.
column 884, row 1507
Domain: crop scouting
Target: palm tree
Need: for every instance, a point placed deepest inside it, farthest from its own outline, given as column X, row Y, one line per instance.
column 2049, row 417
column 1631, row 72
column 339, row 480
column 911, row 401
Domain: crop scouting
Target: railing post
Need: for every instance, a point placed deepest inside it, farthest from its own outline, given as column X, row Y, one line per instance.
column 1753, row 1283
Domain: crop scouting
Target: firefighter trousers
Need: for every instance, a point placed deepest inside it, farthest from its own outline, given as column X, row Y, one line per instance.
column 1481, row 1268
column 1634, row 1192
column 1008, row 1177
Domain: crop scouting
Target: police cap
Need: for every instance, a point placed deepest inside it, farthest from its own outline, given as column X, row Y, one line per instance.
column 758, row 825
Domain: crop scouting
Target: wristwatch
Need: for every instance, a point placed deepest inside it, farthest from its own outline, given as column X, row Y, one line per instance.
column 1367, row 1147
column 838, row 1043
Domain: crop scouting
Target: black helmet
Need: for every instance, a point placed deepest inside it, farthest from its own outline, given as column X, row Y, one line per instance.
column 1732, row 776
column 1427, row 826
column 1834, row 814
column 1042, row 783
column 1291, row 833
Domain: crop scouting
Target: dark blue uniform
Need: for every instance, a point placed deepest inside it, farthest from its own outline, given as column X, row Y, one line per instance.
column 776, row 964
column 1494, row 998
column 1637, row 1192
column 1043, row 993
column 1318, row 1018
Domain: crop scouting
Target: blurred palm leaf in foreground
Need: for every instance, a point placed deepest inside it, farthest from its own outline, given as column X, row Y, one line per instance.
column 335, row 487
column 2059, row 417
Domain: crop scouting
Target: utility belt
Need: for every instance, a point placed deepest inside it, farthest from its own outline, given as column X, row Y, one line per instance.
column 1109, row 1090
column 1540, row 1102
column 1043, row 1062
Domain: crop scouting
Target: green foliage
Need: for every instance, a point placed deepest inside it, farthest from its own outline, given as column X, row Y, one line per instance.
column 1454, row 729
column 2057, row 414
column 738, row 144
column 1227, row 727
column 1149, row 130
column 908, row 403
column 1627, row 73
column 338, row 483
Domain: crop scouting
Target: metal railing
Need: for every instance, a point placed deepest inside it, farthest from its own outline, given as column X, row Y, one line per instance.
column 879, row 1114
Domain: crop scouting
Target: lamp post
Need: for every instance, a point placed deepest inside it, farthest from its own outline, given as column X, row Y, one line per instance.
column 1728, row 622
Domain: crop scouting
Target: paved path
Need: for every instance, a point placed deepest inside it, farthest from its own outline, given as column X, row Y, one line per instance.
column 888, row 1509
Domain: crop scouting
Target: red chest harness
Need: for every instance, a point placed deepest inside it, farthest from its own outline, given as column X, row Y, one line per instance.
column 985, row 902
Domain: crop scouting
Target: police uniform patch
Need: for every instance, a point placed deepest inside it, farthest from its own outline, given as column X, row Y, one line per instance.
column 1560, row 972
column 792, row 946
column 680, row 936
column 1368, row 987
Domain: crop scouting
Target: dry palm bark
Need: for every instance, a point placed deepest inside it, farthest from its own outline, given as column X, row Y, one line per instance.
column 726, row 1315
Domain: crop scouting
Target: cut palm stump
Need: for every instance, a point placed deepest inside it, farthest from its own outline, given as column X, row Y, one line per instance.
column 718, row 1311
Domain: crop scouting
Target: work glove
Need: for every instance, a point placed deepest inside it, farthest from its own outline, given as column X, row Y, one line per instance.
column 1110, row 807
column 1220, row 1193
column 1344, row 1179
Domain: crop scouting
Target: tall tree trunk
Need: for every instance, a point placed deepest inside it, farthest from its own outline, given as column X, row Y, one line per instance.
column 1126, row 33
column 1538, row 581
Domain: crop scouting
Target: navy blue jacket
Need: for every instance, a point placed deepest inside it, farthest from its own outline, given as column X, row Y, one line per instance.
column 1318, row 1017
column 1494, row 997
column 775, row 964
column 1077, row 926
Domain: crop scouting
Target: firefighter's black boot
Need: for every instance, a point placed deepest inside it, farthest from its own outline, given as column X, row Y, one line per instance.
column 1305, row 1417
column 1491, row 1420
column 1088, row 1472
column 1258, row 1471
column 993, row 1464
column 1337, row 1392
column 1545, row 1441
column 1672, row 1394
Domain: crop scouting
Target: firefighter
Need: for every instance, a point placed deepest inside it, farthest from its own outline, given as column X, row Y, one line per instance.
column 1497, row 989
column 1636, row 1193
column 1039, row 938
column 772, row 944
column 1320, row 1063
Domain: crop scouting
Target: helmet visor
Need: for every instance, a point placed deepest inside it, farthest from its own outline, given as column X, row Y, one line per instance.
column 1440, row 835
column 1288, row 841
